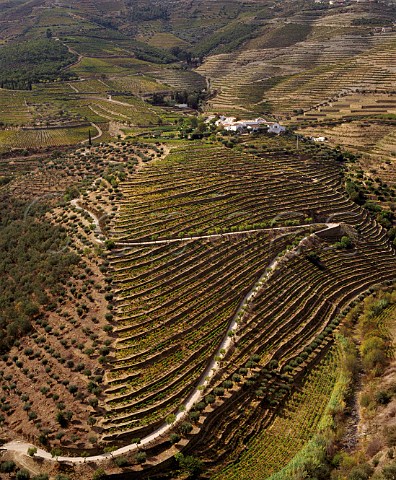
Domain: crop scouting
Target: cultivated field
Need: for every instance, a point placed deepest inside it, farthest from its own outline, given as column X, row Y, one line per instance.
column 295, row 425
column 218, row 278
column 174, row 252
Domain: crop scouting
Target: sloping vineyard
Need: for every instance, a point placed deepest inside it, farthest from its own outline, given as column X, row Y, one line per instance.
column 298, row 420
column 193, row 240
column 174, row 303
column 282, row 79
column 287, row 327
column 36, row 138
column 198, row 190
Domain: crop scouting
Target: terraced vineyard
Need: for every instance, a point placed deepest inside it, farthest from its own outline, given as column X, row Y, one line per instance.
column 180, row 278
column 54, row 115
column 51, row 179
column 181, row 80
column 267, row 76
column 136, row 84
column 107, row 92
column 13, row 108
column 309, row 88
column 204, row 195
column 44, row 137
column 372, row 139
column 202, row 258
column 296, row 424
column 189, row 310
column 288, row 326
column 355, row 105
column 361, row 122
column 215, row 271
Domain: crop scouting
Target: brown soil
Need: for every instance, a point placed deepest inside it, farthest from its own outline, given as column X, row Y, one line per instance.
column 60, row 366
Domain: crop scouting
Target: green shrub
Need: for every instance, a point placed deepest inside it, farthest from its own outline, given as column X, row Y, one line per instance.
column 389, row 471
column 174, row 438
column 32, row 451
column 141, row 457
column 7, row 467
column 185, row 428
column 383, row 397
column 22, row 474
column 390, row 436
column 189, row 464
column 121, row 462
column 99, row 474
column 361, row 472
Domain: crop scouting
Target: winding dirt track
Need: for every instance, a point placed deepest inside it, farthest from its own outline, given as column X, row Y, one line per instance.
column 99, row 134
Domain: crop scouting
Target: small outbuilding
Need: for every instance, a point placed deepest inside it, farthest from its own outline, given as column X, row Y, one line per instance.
column 276, row 128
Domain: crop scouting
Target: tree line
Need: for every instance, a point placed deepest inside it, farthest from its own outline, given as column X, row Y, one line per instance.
column 25, row 63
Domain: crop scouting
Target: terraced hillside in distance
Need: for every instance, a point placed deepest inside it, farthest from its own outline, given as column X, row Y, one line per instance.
column 335, row 69
column 269, row 76
column 185, row 294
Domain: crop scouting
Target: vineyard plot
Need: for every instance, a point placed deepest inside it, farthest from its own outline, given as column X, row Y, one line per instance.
column 272, row 449
column 207, row 189
column 174, row 303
